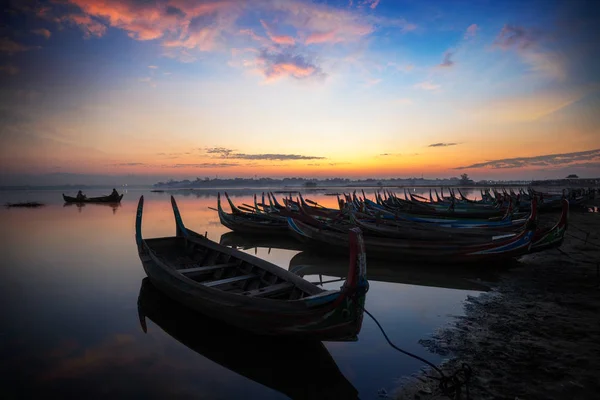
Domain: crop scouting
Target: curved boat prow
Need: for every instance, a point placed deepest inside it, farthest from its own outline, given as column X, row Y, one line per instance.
column 532, row 220
column 234, row 209
column 180, row 227
column 138, row 221
column 357, row 272
column 142, row 318
column 564, row 218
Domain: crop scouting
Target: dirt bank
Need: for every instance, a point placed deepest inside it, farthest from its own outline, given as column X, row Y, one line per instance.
column 536, row 335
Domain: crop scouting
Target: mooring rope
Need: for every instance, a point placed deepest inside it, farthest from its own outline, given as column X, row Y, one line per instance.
column 575, row 259
column 583, row 240
column 449, row 385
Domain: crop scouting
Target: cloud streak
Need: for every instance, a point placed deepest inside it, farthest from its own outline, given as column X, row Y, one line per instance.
column 443, row 144
column 471, row 31
column 42, row 32
column 203, row 165
column 427, row 85
column 274, row 157
column 276, row 65
column 224, row 152
column 279, row 39
column 9, row 46
column 549, row 160
column 528, row 43
column 447, row 61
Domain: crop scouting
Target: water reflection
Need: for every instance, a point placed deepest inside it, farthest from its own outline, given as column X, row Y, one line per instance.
column 246, row 242
column 310, row 372
column 308, row 263
column 74, row 281
column 317, row 262
column 80, row 206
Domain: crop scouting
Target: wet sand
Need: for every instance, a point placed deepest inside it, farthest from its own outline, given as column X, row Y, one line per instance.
column 536, row 335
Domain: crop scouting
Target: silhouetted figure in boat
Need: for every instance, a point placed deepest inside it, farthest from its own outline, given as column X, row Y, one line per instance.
column 81, row 196
column 114, row 193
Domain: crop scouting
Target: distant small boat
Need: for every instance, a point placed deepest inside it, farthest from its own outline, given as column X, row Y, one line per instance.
column 248, row 292
column 101, row 199
column 30, row 204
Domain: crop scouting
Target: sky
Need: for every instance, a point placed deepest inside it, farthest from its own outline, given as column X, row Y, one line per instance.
column 275, row 88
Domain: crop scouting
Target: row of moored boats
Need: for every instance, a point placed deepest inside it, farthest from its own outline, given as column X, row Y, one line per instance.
column 255, row 295
column 446, row 230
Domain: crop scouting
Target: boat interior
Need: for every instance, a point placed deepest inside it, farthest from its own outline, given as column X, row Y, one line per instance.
column 226, row 272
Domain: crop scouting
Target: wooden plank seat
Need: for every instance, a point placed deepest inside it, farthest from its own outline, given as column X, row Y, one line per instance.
column 202, row 270
column 238, row 278
column 269, row 290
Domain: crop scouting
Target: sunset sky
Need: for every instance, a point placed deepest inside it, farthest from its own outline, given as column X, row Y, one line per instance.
column 359, row 88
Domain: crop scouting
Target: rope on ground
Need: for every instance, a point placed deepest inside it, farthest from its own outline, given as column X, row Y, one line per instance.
column 578, row 228
column 575, row 259
column 449, row 385
column 583, row 240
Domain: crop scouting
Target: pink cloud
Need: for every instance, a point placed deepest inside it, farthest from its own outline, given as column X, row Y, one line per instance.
column 252, row 34
column 173, row 19
column 279, row 39
column 516, row 36
column 323, row 37
column 427, row 85
column 89, row 26
column 372, row 3
column 42, row 32
column 471, row 31
column 276, row 65
column 323, row 23
column 447, row 61
column 10, row 46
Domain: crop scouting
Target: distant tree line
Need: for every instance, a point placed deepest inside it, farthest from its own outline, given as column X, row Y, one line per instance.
column 309, row 183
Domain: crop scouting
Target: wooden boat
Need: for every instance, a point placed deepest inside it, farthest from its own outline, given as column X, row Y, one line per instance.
column 309, row 373
column 101, row 199
column 248, row 292
column 436, row 251
column 240, row 221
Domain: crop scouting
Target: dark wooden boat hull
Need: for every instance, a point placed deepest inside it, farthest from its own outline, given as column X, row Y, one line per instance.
column 437, row 252
column 102, row 199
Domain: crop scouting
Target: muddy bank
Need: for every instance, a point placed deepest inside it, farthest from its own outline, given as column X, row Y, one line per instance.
column 536, row 335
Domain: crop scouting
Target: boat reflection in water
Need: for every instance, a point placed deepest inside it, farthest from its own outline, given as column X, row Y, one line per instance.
column 80, row 206
column 462, row 278
column 298, row 369
column 250, row 241
column 309, row 262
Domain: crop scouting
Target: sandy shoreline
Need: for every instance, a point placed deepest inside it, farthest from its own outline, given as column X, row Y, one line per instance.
column 536, row 335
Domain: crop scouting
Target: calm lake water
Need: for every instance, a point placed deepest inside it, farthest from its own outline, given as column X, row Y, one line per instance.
column 70, row 283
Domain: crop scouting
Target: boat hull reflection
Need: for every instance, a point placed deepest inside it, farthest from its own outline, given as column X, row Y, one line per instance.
column 298, row 369
column 248, row 241
column 468, row 278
